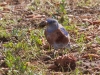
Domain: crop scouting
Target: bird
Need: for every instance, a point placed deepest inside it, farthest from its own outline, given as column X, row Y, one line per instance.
column 56, row 34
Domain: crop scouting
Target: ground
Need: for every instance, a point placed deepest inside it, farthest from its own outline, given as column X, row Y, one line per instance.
column 23, row 46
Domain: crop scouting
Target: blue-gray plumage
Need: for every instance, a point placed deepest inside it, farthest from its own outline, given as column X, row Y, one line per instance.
column 56, row 34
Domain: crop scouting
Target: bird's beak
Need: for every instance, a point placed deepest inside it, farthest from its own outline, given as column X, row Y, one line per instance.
column 43, row 24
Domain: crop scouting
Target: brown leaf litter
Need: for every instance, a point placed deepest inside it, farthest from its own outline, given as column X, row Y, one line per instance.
column 64, row 63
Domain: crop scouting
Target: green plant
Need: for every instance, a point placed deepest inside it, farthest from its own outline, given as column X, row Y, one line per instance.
column 14, row 62
column 84, row 3
column 81, row 38
column 62, row 7
column 35, row 37
column 98, row 39
column 4, row 33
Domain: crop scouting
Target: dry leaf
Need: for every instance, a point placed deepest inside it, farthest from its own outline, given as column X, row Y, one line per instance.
column 6, row 9
column 88, row 38
column 4, row 71
column 96, row 69
column 35, row 16
column 64, row 63
column 3, row 4
column 86, row 20
column 96, row 48
column 96, row 22
column 45, row 57
column 91, row 22
column 31, row 64
column 90, row 56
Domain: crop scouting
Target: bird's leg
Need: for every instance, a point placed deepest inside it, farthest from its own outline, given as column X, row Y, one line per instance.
column 68, row 49
column 55, row 52
column 58, row 52
column 69, row 46
column 62, row 51
column 50, row 47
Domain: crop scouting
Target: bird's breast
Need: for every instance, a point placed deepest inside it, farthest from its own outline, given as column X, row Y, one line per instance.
column 51, row 36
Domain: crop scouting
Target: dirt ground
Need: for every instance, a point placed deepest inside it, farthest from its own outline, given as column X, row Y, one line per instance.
column 22, row 41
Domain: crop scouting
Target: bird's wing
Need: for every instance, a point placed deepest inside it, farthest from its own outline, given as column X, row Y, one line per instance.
column 63, row 31
column 57, row 36
column 62, row 36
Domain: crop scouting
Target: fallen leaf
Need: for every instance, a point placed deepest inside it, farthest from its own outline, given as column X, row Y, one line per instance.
column 88, row 38
column 34, row 16
column 45, row 57
column 3, row 4
column 64, row 63
column 86, row 20
column 96, row 69
column 6, row 9
column 96, row 48
column 4, row 71
column 96, row 22
column 31, row 64
column 87, row 71
column 90, row 56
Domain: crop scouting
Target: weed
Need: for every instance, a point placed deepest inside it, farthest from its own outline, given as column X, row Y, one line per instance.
column 14, row 62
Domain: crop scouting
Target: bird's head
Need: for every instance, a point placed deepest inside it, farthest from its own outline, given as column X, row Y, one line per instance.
column 49, row 22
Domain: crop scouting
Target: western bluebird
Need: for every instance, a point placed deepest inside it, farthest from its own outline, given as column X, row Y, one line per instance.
column 56, row 34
